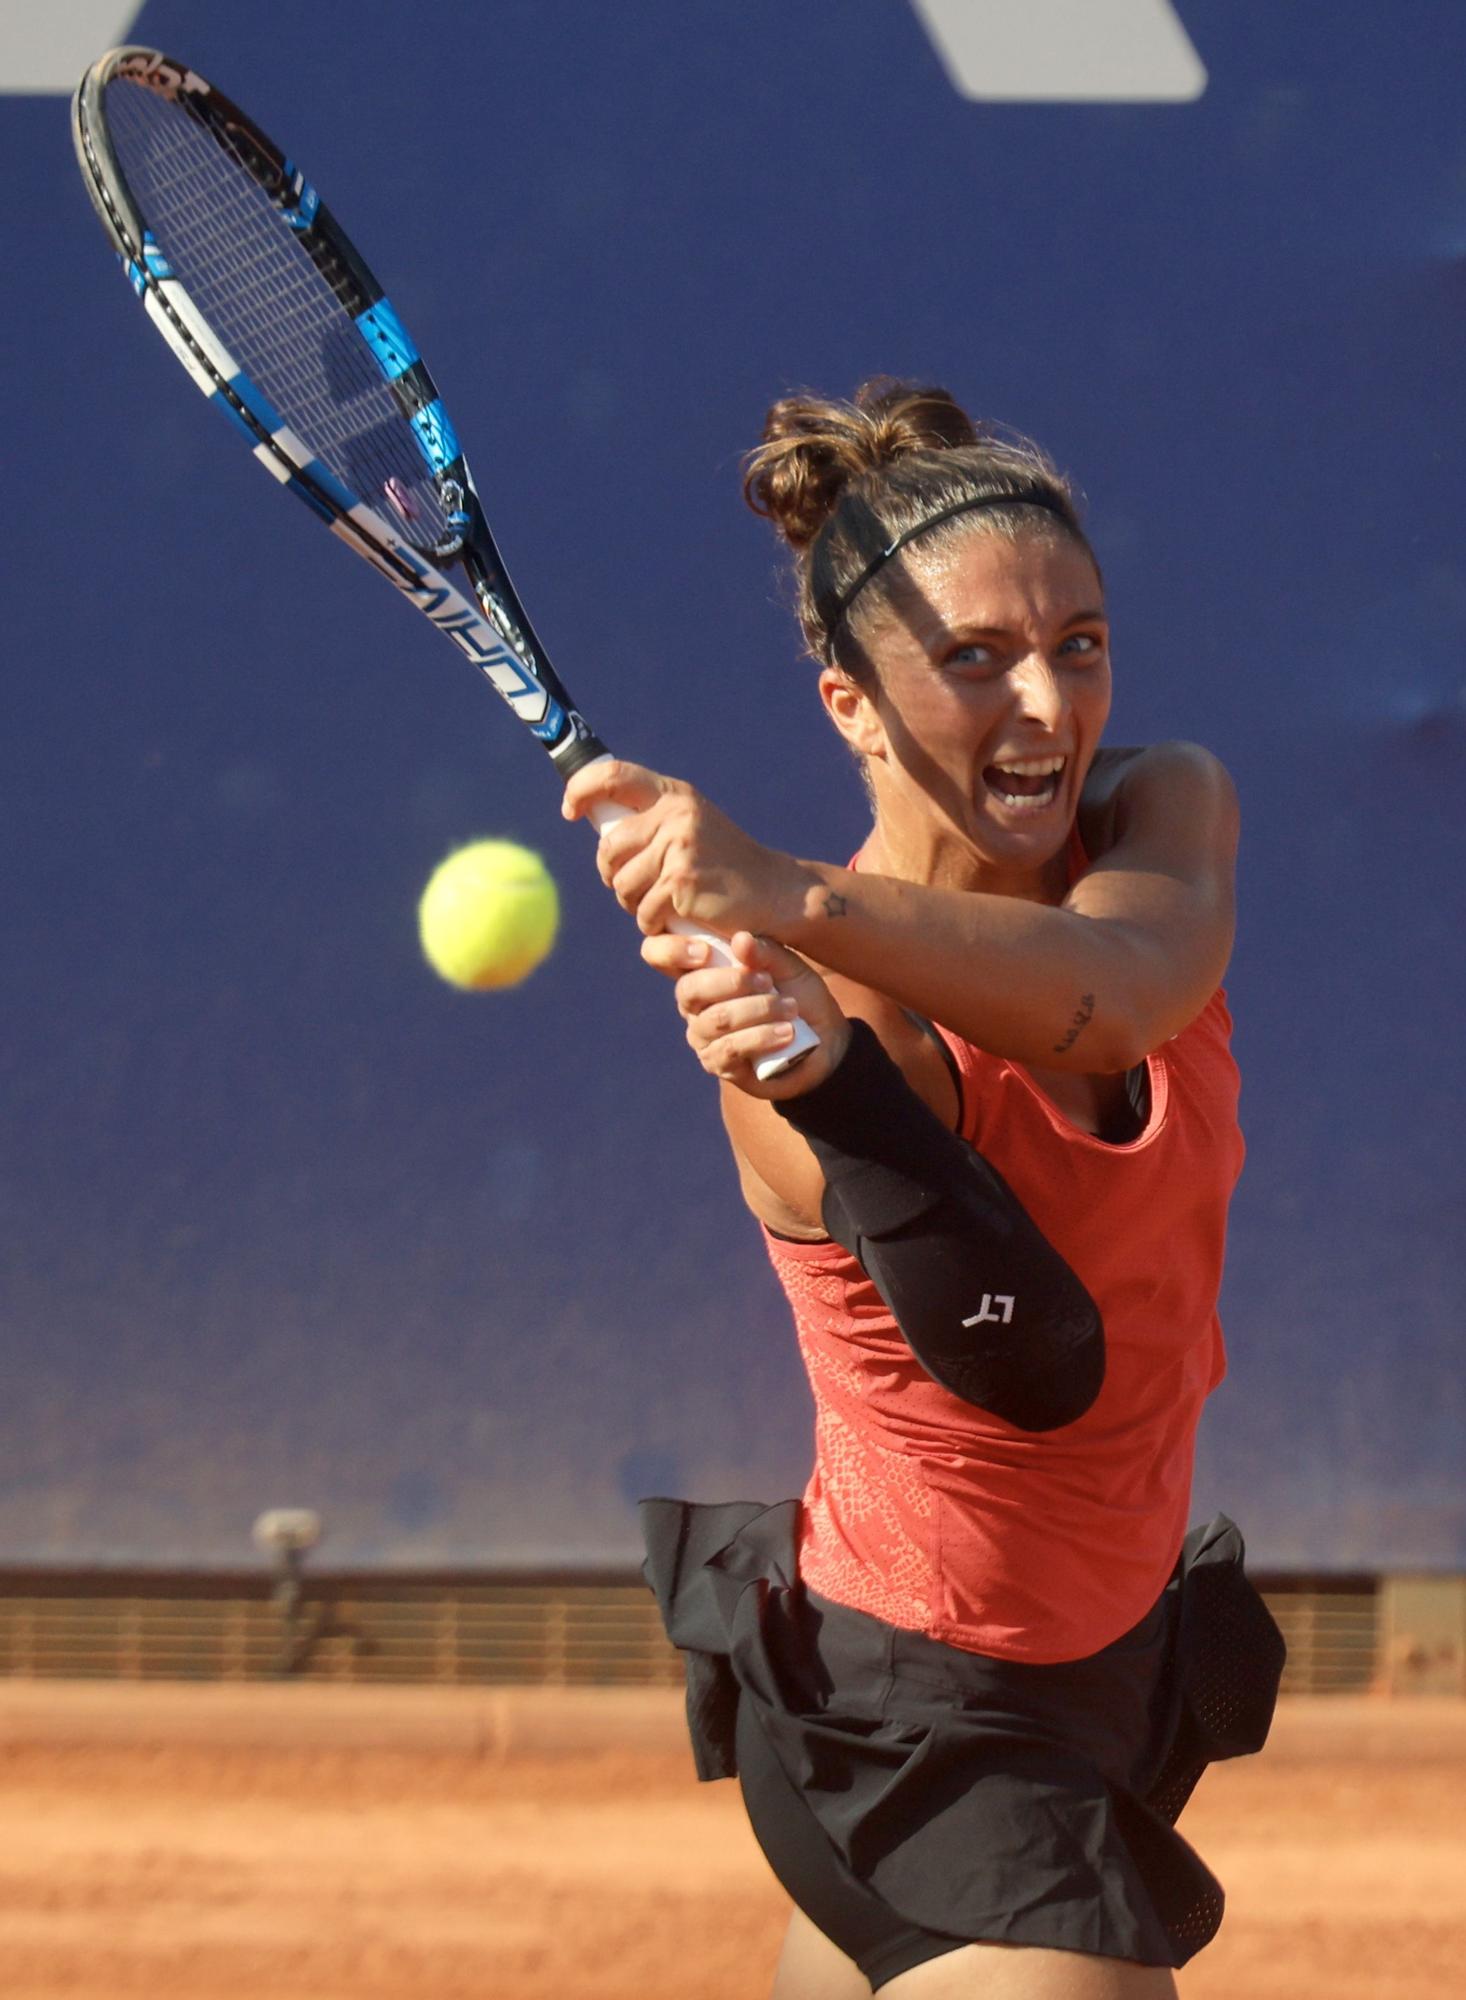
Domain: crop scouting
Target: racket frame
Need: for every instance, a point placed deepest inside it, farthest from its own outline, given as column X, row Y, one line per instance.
column 491, row 628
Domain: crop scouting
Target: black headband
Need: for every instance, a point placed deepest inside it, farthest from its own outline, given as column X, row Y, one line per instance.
column 832, row 607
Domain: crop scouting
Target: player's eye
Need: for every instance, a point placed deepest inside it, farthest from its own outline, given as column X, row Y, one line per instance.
column 1082, row 645
column 973, row 654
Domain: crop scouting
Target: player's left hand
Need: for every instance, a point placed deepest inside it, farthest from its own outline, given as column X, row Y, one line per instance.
column 738, row 1014
column 676, row 855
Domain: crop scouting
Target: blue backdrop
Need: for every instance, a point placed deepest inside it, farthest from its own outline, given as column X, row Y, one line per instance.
column 288, row 1222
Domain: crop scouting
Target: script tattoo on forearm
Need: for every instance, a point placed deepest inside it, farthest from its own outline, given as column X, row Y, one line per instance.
column 835, row 905
column 1078, row 1022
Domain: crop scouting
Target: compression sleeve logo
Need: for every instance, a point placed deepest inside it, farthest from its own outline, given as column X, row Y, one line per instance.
column 1065, row 51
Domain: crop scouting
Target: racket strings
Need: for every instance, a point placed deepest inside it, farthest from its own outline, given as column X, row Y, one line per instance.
column 242, row 264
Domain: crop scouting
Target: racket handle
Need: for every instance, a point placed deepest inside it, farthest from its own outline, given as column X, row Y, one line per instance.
column 805, row 1037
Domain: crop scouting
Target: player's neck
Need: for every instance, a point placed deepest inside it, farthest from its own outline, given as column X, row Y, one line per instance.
column 940, row 857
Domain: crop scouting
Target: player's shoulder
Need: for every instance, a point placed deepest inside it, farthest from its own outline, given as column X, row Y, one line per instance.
column 1152, row 779
column 1190, row 765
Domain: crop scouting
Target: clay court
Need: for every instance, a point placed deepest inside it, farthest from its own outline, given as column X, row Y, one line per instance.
column 305, row 1843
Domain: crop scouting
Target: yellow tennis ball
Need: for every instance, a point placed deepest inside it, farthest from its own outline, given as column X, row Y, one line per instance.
column 489, row 915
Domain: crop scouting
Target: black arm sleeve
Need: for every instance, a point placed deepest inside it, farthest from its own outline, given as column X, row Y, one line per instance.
column 990, row 1308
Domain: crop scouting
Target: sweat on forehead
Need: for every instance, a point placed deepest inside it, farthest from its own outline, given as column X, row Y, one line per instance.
column 886, row 578
column 849, row 485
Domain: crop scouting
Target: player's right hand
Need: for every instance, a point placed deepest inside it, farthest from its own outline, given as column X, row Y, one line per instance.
column 738, row 1014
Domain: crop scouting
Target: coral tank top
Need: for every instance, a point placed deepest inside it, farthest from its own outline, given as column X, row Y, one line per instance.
column 939, row 1518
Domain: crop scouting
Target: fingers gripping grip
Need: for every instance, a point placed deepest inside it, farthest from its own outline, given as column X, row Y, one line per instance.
column 607, row 814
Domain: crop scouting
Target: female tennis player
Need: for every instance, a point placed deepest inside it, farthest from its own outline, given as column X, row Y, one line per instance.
column 969, row 1680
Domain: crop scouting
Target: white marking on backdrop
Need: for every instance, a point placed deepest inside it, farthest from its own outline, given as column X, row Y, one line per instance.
column 1035, row 51
column 1065, row 51
column 46, row 45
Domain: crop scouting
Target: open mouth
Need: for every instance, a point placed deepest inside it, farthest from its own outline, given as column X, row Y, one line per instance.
column 1028, row 784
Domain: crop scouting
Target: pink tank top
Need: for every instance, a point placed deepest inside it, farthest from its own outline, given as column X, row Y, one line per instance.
column 939, row 1518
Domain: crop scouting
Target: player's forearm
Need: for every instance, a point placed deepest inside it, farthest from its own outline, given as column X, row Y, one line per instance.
column 1023, row 980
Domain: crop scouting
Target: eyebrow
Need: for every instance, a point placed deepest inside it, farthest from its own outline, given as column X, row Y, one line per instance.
column 1095, row 616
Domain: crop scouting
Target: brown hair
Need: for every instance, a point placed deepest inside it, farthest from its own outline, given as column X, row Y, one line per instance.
column 844, row 481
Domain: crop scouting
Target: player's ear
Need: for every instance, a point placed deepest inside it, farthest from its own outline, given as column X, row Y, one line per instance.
column 853, row 712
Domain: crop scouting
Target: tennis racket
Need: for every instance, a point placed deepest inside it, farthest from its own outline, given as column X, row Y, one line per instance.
column 275, row 316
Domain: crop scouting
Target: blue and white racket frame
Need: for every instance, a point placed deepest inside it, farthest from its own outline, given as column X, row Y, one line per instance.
column 494, row 630
column 490, row 627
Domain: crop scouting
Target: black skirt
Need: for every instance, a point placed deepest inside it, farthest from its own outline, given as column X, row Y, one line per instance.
column 901, row 1786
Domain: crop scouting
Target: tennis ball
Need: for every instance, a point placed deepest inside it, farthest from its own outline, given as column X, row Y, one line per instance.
column 488, row 915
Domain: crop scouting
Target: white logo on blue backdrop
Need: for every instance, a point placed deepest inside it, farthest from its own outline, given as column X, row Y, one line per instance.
column 1065, row 51
column 1022, row 51
column 47, row 47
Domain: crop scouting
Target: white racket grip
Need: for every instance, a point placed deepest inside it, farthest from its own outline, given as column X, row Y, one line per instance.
column 805, row 1038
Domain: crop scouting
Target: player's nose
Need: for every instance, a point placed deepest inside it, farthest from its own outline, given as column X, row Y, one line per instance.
column 1036, row 688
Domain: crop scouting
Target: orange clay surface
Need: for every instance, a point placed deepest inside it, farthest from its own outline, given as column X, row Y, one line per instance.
column 313, row 1843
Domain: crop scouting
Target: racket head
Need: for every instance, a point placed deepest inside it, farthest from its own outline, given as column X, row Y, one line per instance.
column 279, row 321
column 197, row 198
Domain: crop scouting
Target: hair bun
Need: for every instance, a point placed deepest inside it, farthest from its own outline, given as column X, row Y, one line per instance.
column 814, row 448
